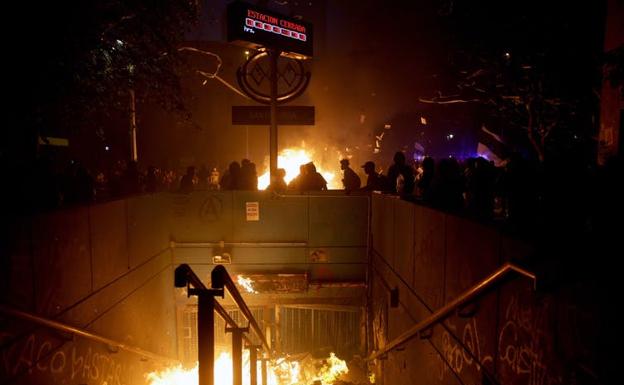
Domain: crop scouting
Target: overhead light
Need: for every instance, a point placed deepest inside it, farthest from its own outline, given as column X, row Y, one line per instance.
column 223, row 259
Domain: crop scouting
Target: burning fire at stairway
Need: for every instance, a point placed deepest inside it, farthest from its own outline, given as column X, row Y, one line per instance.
column 282, row 371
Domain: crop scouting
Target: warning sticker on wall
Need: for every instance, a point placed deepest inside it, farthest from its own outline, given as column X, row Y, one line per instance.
column 253, row 211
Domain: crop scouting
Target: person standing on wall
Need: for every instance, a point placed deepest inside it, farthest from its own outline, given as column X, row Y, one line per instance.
column 351, row 180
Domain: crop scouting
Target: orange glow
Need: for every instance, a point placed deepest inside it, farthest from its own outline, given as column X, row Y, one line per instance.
column 290, row 159
column 333, row 369
column 174, row 376
column 280, row 372
column 246, row 283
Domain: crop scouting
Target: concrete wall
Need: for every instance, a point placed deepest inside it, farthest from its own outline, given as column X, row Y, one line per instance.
column 510, row 335
column 104, row 268
column 108, row 268
column 324, row 236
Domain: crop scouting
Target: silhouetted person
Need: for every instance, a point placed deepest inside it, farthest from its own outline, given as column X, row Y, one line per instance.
column 297, row 182
column 313, row 181
column 401, row 175
column 518, row 185
column 351, row 180
column 248, row 176
column 151, row 180
column 230, row 179
column 375, row 181
column 130, row 179
column 480, row 179
column 202, row 178
column 278, row 184
column 213, row 183
column 187, row 182
column 115, row 180
column 423, row 185
column 84, row 185
column 448, row 186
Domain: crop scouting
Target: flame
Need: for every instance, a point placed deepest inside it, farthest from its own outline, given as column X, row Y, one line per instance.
column 333, row 368
column 246, row 283
column 176, row 375
column 280, row 372
column 290, row 159
column 284, row 372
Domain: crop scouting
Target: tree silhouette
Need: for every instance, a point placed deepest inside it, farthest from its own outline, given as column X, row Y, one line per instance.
column 73, row 60
column 531, row 69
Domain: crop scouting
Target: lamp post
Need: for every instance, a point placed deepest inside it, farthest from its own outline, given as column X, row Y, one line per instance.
column 133, row 127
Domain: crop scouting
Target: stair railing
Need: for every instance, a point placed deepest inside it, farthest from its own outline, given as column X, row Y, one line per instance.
column 449, row 308
column 80, row 332
column 207, row 306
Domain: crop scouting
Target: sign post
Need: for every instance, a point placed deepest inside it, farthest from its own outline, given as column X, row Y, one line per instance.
column 256, row 28
column 273, row 56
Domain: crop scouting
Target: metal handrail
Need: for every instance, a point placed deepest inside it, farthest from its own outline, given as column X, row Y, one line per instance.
column 193, row 279
column 207, row 305
column 80, row 332
column 442, row 313
column 221, row 279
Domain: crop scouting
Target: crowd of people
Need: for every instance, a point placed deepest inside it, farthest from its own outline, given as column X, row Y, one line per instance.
column 474, row 187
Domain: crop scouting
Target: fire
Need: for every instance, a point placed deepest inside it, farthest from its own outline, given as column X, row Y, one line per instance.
column 280, row 372
column 333, row 369
column 246, row 283
column 174, row 376
column 284, row 372
column 290, row 159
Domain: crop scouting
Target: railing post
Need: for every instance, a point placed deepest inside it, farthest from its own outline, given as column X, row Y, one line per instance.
column 185, row 277
column 205, row 337
column 263, row 370
column 253, row 364
column 278, row 334
column 237, row 353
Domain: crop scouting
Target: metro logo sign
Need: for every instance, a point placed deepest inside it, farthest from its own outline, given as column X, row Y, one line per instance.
column 254, row 27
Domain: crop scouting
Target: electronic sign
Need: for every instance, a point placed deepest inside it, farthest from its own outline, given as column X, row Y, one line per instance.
column 254, row 27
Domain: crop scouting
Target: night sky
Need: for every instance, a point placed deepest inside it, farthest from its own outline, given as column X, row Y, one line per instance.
column 374, row 60
column 374, row 63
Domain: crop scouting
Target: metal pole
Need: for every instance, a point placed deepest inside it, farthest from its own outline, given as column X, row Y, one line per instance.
column 247, row 142
column 221, row 279
column 253, row 367
column 205, row 337
column 273, row 57
column 237, row 357
column 263, row 368
column 237, row 354
column 134, row 156
column 278, row 334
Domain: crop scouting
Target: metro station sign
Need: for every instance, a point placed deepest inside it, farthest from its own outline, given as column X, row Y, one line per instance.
column 261, row 115
column 254, row 27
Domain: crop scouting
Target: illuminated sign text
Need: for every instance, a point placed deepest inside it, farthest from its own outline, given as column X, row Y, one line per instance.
column 254, row 27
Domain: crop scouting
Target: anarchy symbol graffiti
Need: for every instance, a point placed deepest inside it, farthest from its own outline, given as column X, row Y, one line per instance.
column 254, row 78
column 211, row 209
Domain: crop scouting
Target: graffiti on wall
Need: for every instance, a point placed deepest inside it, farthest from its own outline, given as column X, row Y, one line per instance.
column 458, row 359
column 50, row 360
column 524, row 343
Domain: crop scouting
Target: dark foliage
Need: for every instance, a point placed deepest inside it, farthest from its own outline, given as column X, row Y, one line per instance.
column 530, row 68
column 72, row 61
